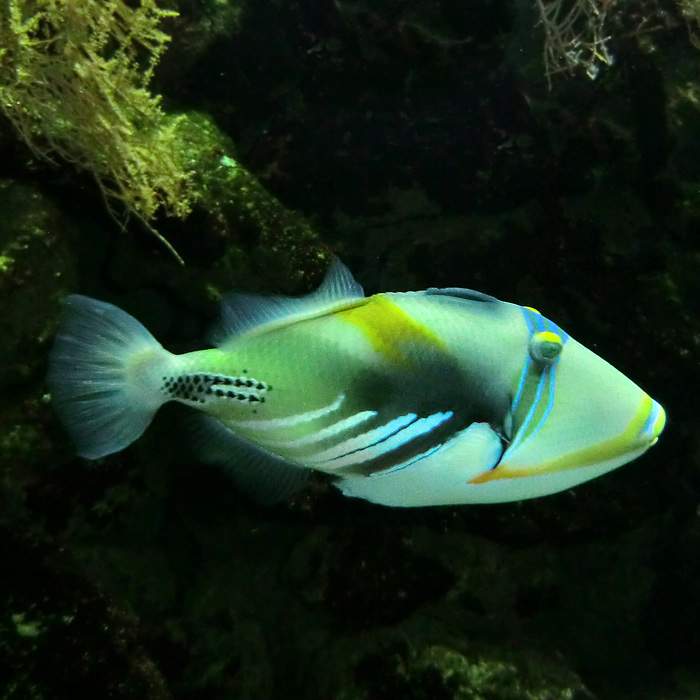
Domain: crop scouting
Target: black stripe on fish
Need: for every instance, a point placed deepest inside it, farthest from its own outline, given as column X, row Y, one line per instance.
column 411, row 449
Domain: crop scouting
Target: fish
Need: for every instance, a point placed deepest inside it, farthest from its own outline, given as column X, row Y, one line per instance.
column 445, row 396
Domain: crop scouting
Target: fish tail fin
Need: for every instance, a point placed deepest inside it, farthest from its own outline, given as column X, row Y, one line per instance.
column 105, row 376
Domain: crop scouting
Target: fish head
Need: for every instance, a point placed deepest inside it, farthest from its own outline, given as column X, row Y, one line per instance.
column 573, row 417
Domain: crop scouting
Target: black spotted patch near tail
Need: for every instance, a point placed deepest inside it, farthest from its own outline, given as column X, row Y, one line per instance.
column 203, row 388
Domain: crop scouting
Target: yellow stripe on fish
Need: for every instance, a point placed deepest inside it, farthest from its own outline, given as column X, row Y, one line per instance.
column 390, row 330
column 594, row 454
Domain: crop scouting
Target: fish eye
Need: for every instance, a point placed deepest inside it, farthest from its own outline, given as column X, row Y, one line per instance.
column 545, row 347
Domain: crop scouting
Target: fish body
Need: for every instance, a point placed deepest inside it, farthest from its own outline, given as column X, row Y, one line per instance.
column 443, row 396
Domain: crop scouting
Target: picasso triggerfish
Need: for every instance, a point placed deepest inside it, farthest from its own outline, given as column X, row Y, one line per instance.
column 444, row 396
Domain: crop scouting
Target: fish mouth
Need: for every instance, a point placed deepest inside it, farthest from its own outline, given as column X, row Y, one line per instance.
column 654, row 425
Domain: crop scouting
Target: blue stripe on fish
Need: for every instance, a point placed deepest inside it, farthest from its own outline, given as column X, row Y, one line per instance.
column 425, row 427
column 359, row 442
column 407, row 463
column 386, row 447
column 546, row 382
column 330, row 431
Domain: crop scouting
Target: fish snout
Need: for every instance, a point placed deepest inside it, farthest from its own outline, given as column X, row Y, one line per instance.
column 654, row 425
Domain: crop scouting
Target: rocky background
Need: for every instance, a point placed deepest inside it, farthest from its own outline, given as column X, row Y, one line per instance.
column 422, row 143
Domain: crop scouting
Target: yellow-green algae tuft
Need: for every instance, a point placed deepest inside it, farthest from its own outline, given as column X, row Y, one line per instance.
column 74, row 82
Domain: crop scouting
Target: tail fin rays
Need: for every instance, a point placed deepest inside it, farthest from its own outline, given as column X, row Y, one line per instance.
column 105, row 373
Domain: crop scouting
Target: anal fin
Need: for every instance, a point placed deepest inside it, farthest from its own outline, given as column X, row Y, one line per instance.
column 263, row 476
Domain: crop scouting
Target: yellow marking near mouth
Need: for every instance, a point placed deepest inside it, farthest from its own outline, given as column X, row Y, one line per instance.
column 626, row 441
column 389, row 329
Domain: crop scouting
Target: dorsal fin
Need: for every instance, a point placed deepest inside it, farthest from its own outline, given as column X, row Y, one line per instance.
column 242, row 312
column 461, row 293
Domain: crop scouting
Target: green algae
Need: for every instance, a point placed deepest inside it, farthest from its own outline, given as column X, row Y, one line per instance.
column 74, row 80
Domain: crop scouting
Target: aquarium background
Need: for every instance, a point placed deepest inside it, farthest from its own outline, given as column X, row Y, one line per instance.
column 159, row 156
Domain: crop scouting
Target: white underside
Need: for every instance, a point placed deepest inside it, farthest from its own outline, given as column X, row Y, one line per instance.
column 440, row 478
